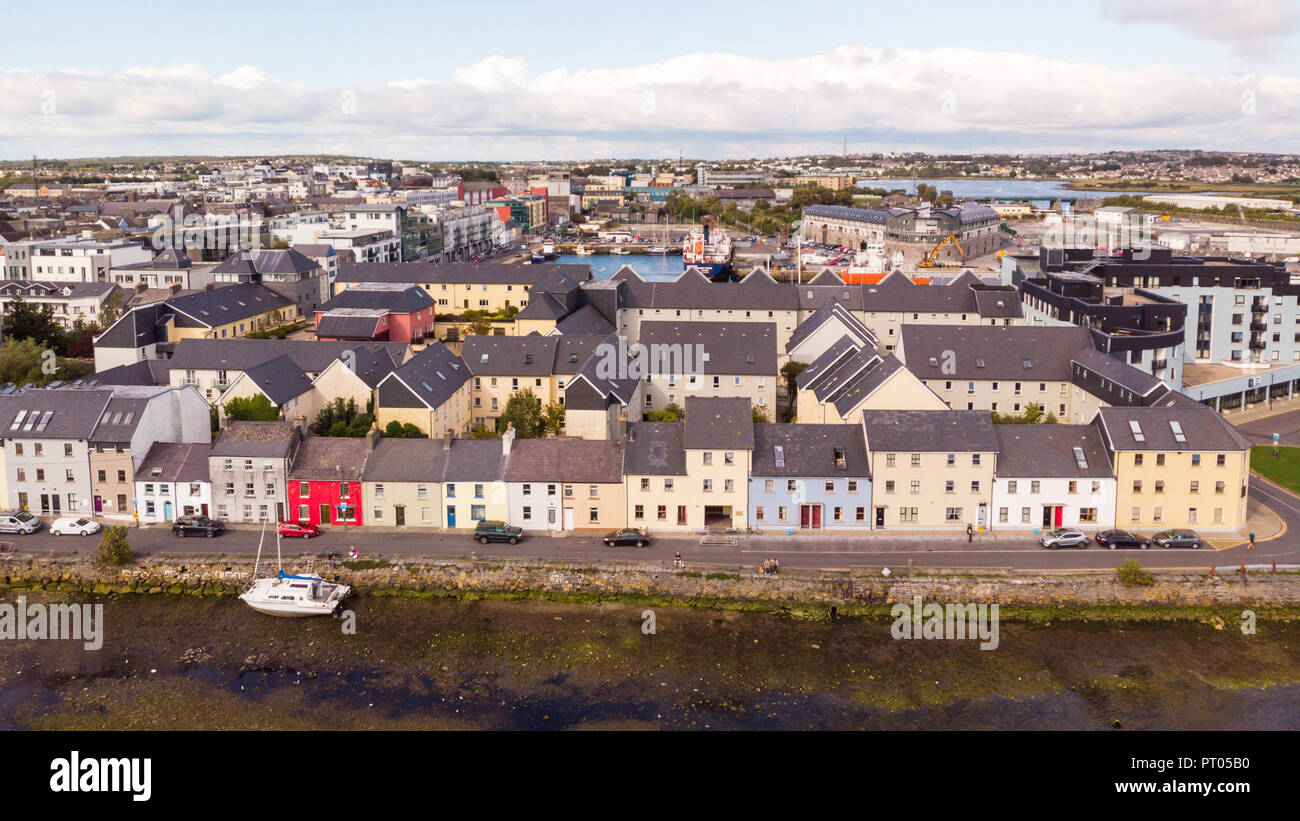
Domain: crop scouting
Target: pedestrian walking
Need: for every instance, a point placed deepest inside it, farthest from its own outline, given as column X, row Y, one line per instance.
column 970, row 533
column 1252, row 542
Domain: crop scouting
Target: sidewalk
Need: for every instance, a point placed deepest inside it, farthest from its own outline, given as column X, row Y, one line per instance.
column 1262, row 410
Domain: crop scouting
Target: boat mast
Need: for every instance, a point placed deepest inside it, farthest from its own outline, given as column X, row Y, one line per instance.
column 258, row 562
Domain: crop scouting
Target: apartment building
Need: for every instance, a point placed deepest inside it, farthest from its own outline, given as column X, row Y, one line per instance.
column 71, row 260
column 71, row 302
column 1052, row 476
column 710, row 359
column 249, row 466
column 432, row 391
column 809, row 477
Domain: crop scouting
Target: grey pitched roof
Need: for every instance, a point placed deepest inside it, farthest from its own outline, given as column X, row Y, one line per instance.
column 809, row 450
column 121, row 416
column 1003, row 350
column 542, row 306
column 73, row 414
column 997, row 303
column 531, row 355
column 585, row 320
column 565, row 459
column 1123, row 374
column 280, row 379
column 829, row 360
column 335, row 458
column 1047, row 451
column 858, row 388
column 177, row 462
column 143, row 372
column 742, row 348
column 406, row 460
column 929, row 431
column 348, row 326
column 399, row 298
column 719, row 422
column 229, row 304
column 267, row 261
column 429, row 379
column 831, row 311
column 474, row 460
column 1203, row 429
column 255, row 439
column 655, row 449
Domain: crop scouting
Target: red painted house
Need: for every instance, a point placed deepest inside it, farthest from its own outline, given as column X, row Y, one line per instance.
column 325, row 481
column 377, row 311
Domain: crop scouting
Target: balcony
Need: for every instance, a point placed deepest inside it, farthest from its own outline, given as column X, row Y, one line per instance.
column 1259, row 326
column 1258, row 344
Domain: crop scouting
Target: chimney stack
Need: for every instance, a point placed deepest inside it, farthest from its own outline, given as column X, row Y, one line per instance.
column 446, row 440
column 507, row 439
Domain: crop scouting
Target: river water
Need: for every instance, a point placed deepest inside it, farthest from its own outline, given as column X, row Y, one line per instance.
column 171, row 662
column 1039, row 191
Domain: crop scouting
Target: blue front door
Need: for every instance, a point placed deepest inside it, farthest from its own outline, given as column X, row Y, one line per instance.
column 451, row 515
column 167, row 511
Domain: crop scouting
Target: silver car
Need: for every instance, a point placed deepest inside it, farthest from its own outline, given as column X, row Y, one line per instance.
column 1063, row 537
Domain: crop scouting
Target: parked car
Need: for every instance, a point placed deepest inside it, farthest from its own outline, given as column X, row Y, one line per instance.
column 197, row 526
column 18, row 521
column 1121, row 538
column 74, row 525
column 1176, row 538
column 486, row 532
column 298, row 531
column 1063, row 537
column 628, row 535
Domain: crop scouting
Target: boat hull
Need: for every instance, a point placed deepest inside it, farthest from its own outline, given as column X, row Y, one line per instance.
column 716, row 271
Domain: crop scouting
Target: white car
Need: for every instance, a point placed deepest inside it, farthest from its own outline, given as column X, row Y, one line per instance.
column 74, row 526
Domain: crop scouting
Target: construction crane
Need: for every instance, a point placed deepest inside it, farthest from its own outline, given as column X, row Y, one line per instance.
column 931, row 258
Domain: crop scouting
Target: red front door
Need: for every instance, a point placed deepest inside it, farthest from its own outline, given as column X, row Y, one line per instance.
column 1059, row 510
column 810, row 516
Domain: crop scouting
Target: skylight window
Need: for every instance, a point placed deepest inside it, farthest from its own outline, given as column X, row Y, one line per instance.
column 1177, row 428
column 1080, row 459
column 979, row 363
column 779, row 452
column 934, row 362
column 45, row 420
column 18, row 420
column 1027, row 363
column 1136, row 430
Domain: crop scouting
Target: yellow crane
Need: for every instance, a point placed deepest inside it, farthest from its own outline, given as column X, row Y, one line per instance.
column 930, row 259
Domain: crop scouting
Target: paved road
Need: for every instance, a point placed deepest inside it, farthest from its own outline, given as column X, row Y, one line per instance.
column 1260, row 431
column 877, row 550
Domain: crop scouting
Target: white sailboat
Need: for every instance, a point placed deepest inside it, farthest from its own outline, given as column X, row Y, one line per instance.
column 288, row 595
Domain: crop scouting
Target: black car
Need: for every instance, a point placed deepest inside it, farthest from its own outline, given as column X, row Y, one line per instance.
column 197, row 526
column 628, row 535
column 1176, row 538
column 1121, row 538
column 486, row 532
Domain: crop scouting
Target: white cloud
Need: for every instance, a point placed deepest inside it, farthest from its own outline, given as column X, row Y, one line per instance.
column 1248, row 25
column 700, row 104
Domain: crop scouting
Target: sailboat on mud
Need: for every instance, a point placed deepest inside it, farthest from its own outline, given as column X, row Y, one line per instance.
column 289, row 595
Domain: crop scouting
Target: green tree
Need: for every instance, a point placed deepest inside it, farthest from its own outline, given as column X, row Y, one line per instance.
column 394, row 430
column 524, row 411
column 790, row 375
column 115, row 547
column 24, row 361
column 342, row 418
column 481, row 432
column 252, row 409
column 554, row 419
column 25, row 320
column 760, row 415
column 480, row 326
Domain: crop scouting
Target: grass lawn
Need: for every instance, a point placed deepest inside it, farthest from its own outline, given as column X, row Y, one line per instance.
column 1285, row 469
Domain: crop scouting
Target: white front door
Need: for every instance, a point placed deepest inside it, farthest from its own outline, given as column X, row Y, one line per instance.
column 568, row 518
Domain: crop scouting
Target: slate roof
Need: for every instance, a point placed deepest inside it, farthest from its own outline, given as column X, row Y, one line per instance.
column 280, row 379
column 585, row 320
column 457, row 272
column 718, row 423
column 1203, row 429
column 654, row 449
column 741, row 348
column 809, row 450
column 349, row 326
column 143, row 372
column 1003, row 350
column 255, row 439
column 231, row 303
column 532, row 355
column 330, row 458
column 944, row 431
column 474, row 460
column 267, row 261
column 565, row 459
column 542, row 306
column 429, row 379
column 831, row 311
column 178, row 462
column 406, row 460
column 1123, row 374
column 73, row 413
column 313, row 356
column 1047, row 452
column 397, row 298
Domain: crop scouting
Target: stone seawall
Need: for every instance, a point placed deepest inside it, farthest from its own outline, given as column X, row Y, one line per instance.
column 635, row 582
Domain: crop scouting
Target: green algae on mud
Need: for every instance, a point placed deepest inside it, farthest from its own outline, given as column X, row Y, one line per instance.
column 211, row 663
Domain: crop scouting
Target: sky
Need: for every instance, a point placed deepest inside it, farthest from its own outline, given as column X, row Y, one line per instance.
column 577, row 80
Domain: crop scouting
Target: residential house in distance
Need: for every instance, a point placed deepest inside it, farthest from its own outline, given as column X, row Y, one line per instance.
column 809, row 477
column 173, row 481
column 597, row 406
column 152, row 331
column 931, row 470
column 288, row 273
column 402, row 482
column 474, row 480
column 561, row 483
column 71, row 260
column 249, row 467
column 170, row 268
column 1052, row 476
column 504, row 365
column 431, row 391
column 325, row 480
column 1182, row 466
column 457, row 287
column 71, row 301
